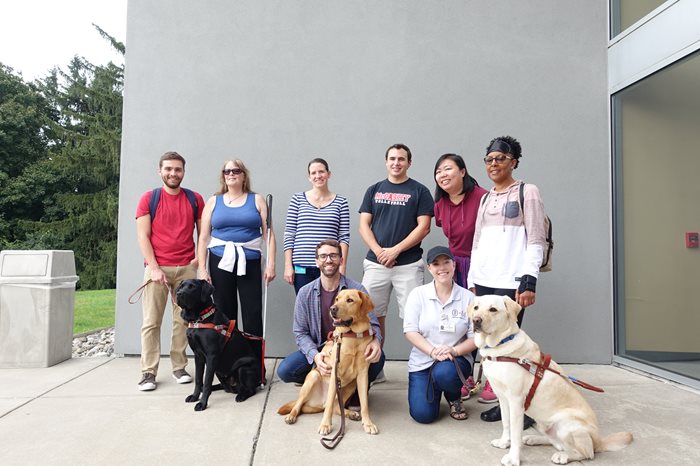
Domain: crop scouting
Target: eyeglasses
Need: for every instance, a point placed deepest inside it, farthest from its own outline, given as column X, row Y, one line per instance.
column 334, row 256
column 231, row 171
column 499, row 159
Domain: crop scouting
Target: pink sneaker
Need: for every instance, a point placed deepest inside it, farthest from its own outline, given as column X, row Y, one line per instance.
column 466, row 391
column 487, row 394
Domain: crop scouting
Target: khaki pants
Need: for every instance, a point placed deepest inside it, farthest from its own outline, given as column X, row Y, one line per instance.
column 155, row 298
column 379, row 281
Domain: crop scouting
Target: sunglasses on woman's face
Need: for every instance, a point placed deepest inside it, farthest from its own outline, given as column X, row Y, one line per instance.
column 499, row 159
column 232, row 171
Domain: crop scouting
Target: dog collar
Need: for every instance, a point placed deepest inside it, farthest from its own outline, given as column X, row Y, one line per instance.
column 505, row 340
column 208, row 312
column 350, row 334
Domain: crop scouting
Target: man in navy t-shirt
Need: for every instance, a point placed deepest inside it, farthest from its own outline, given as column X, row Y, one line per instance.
column 394, row 218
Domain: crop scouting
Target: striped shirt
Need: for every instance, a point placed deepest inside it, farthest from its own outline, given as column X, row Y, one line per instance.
column 308, row 225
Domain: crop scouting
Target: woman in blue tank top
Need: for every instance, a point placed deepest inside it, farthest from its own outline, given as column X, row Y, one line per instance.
column 231, row 242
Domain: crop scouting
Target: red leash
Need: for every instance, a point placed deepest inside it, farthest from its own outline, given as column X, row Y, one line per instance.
column 250, row 336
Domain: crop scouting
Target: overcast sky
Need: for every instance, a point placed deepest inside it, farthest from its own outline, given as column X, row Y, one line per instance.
column 36, row 35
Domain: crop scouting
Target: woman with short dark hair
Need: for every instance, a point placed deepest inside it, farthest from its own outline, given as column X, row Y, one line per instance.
column 509, row 240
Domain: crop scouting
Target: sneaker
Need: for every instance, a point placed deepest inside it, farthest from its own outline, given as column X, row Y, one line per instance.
column 466, row 390
column 381, row 378
column 181, row 376
column 487, row 394
column 148, row 382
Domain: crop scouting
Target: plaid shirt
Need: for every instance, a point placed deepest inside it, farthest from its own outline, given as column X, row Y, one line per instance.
column 307, row 316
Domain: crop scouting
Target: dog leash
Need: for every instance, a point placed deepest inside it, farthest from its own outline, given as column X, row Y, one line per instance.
column 537, row 369
column 136, row 295
column 250, row 336
column 428, row 393
column 331, row 443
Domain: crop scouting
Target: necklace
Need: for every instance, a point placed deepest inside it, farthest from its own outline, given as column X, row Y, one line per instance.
column 319, row 201
column 230, row 201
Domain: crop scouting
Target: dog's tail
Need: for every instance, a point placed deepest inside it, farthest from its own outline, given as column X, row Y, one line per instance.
column 286, row 408
column 614, row 442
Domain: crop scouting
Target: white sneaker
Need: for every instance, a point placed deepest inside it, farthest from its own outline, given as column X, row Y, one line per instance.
column 181, row 376
column 148, row 382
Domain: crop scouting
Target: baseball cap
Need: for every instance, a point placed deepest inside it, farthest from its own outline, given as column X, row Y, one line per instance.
column 437, row 251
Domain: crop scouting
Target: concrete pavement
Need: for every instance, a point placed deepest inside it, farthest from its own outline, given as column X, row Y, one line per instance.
column 89, row 411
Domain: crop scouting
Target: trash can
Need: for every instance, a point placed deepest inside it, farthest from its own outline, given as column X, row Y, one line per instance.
column 37, row 297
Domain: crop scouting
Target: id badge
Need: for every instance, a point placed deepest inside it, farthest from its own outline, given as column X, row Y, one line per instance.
column 299, row 270
column 446, row 324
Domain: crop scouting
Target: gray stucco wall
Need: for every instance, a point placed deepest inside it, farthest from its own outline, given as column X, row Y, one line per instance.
column 276, row 83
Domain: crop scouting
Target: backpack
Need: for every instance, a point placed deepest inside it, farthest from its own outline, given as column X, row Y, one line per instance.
column 155, row 200
column 546, row 265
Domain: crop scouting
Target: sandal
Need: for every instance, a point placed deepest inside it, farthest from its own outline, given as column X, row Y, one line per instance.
column 457, row 411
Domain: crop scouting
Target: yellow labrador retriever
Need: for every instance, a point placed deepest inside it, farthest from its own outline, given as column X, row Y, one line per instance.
column 564, row 418
column 351, row 317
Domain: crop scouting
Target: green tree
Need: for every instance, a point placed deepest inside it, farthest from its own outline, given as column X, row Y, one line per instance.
column 26, row 131
column 64, row 195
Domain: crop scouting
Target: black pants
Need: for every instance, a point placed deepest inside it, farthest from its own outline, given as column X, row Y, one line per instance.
column 229, row 287
column 312, row 273
column 482, row 290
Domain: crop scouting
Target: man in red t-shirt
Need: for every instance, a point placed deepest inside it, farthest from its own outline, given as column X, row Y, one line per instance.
column 167, row 244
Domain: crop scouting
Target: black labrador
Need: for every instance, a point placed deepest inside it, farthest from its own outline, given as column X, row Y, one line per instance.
column 219, row 348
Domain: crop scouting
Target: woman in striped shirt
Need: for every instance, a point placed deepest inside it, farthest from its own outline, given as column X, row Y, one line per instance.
column 314, row 216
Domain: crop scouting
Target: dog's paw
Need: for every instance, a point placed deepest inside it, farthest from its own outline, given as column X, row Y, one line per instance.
column 536, row 440
column 510, row 460
column 501, row 443
column 560, row 457
column 191, row 399
column 290, row 419
column 242, row 397
column 371, row 429
column 325, row 429
column 200, row 406
column 352, row 415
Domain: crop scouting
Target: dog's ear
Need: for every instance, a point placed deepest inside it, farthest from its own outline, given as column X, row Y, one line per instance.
column 470, row 308
column 207, row 290
column 367, row 304
column 512, row 307
column 182, row 283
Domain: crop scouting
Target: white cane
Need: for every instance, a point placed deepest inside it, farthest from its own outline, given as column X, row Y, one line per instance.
column 268, row 222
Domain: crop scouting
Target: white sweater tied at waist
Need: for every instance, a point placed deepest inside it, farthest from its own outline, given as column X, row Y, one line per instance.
column 233, row 250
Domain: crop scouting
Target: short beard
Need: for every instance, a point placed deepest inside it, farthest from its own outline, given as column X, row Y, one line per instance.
column 331, row 275
column 168, row 182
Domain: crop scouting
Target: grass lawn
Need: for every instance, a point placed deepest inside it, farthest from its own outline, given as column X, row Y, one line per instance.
column 93, row 309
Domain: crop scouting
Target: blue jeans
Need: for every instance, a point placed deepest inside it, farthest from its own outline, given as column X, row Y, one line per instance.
column 425, row 389
column 294, row 368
